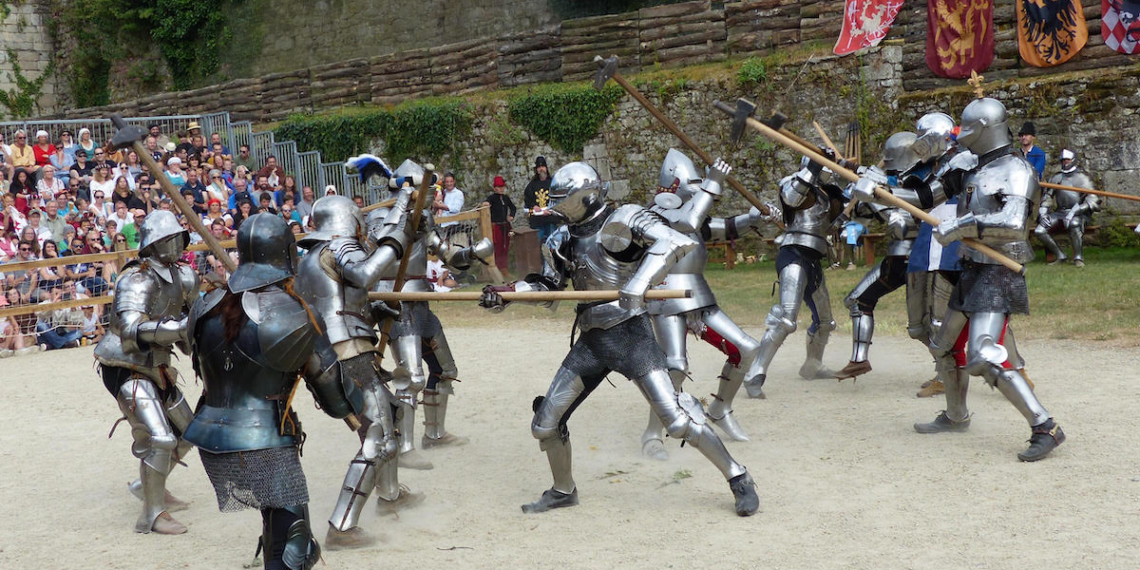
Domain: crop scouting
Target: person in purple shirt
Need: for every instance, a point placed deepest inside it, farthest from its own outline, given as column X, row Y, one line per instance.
column 1032, row 153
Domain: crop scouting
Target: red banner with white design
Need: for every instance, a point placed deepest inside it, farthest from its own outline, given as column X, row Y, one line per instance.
column 865, row 24
column 1120, row 25
column 960, row 36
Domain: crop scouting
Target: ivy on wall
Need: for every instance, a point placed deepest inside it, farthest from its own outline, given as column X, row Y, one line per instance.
column 565, row 116
column 423, row 128
column 22, row 101
column 188, row 33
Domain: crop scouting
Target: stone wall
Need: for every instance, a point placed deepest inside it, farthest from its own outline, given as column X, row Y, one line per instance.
column 25, row 32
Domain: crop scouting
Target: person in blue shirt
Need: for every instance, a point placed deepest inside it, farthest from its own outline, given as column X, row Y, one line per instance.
column 1032, row 153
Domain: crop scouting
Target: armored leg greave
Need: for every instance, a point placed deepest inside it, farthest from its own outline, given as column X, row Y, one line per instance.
column 439, row 387
column 955, row 378
column 377, row 454
column 918, row 285
column 733, row 374
column 987, row 358
column 1049, row 243
column 154, row 443
column 1077, row 236
column 287, row 539
column 862, row 329
column 549, row 428
column 685, row 419
column 409, row 380
column 358, row 484
column 823, row 324
column 781, row 320
column 670, row 331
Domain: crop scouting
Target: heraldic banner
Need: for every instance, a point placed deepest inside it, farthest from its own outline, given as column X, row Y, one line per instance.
column 1050, row 32
column 960, row 36
column 1120, row 24
column 865, row 24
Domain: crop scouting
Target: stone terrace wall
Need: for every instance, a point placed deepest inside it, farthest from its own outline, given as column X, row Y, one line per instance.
column 25, row 32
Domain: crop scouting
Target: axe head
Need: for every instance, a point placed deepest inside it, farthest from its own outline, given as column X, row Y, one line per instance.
column 606, row 69
column 776, row 121
column 744, row 109
column 125, row 135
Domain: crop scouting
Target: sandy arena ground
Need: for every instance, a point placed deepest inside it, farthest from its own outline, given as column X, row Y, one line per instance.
column 844, row 481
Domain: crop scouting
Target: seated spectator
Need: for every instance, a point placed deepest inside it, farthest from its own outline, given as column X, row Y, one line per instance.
column 244, row 158
column 23, row 189
column 82, row 172
column 288, row 189
column 305, row 205
column 266, row 204
column 439, row 275
column 61, row 163
column 101, row 181
column 121, row 192
column 49, row 185
column 174, row 172
column 289, row 213
column 11, row 219
column 86, row 145
column 88, row 276
column 214, row 212
column 131, row 231
column 25, row 281
column 43, row 150
column 9, row 244
column 52, row 221
column 110, row 230
column 132, row 166
column 102, row 160
column 54, row 327
column 271, row 171
column 91, row 329
column 51, row 276
column 358, row 200
column 42, row 233
column 244, row 211
column 67, row 145
column 216, row 139
column 217, row 188
column 240, row 193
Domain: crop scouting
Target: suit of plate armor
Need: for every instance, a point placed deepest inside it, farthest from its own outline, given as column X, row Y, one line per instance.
column 807, row 212
column 1073, row 210
column 418, row 335
column 629, row 249
column 684, row 201
column 996, row 203
column 334, row 278
column 890, row 273
column 249, row 438
column 148, row 318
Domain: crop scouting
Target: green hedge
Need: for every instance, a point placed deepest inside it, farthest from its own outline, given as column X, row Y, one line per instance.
column 565, row 116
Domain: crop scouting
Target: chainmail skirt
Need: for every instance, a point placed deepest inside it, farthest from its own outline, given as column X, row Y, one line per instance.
column 416, row 319
column 984, row 288
column 259, row 479
column 628, row 348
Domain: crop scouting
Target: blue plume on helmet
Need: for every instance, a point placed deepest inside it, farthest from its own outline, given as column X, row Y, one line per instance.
column 369, row 165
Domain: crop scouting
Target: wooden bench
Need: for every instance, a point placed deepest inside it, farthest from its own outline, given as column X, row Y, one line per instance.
column 726, row 251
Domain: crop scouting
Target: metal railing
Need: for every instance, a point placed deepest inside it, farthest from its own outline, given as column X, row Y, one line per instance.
column 309, row 171
column 261, row 147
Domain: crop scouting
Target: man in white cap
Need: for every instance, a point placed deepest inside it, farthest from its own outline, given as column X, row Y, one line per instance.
column 1066, row 210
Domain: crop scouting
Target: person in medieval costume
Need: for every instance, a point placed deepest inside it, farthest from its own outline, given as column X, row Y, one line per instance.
column 684, row 201
column 601, row 248
column 153, row 295
column 1067, row 210
column 417, row 335
column 342, row 265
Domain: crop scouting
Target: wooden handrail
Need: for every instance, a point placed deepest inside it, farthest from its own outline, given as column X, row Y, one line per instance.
column 47, row 307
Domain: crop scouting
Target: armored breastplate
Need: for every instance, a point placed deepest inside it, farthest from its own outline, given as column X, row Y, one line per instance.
column 689, row 273
column 1066, row 199
column 596, row 269
column 985, row 192
column 809, row 226
column 246, row 382
column 156, row 292
column 343, row 307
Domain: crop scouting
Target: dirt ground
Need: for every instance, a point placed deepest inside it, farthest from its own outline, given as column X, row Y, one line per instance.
column 844, row 481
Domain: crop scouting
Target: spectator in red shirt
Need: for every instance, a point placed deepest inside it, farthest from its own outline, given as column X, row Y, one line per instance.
column 43, row 149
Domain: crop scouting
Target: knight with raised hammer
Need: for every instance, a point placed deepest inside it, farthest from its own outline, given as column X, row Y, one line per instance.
column 997, row 195
column 629, row 249
column 684, row 201
column 417, row 335
column 1067, row 210
column 342, row 265
column 153, row 296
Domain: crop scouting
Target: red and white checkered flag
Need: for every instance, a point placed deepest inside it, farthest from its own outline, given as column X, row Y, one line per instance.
column 1120, row 25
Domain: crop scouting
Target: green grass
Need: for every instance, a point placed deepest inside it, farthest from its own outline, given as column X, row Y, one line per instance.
column 1100, row 302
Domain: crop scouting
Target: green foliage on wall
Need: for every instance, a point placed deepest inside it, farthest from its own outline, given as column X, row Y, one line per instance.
column 565, row 116
column 426, row 128
column 22, row 101
column 188, row 33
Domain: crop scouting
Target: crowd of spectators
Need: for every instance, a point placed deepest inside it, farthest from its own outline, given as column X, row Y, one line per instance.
column 65, row 195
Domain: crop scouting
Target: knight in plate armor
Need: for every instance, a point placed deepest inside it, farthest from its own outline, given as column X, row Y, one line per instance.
column 252, row 342
column 342, row 265
column 997, row 195
column 417, row 336
column 809, row 202
column 1067, row 210
column 629, row 249
column 891, row 272
column 153, row 296
column 684, row 201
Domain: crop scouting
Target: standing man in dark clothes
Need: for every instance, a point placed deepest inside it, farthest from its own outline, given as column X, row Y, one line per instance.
column 1028, row 136
column 535, row 198
column 502, row 214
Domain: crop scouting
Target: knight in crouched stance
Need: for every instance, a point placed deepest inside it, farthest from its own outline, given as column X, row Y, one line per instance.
column 600, row 248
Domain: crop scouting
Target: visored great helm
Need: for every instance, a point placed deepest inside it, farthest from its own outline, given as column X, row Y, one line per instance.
column 678, row 175
column 985, row 126
column 162, row 237
column 935, row 136
column 898, row 154
column 408, row 173
column 577, row 193
column 332, row 217
column 267, row 253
